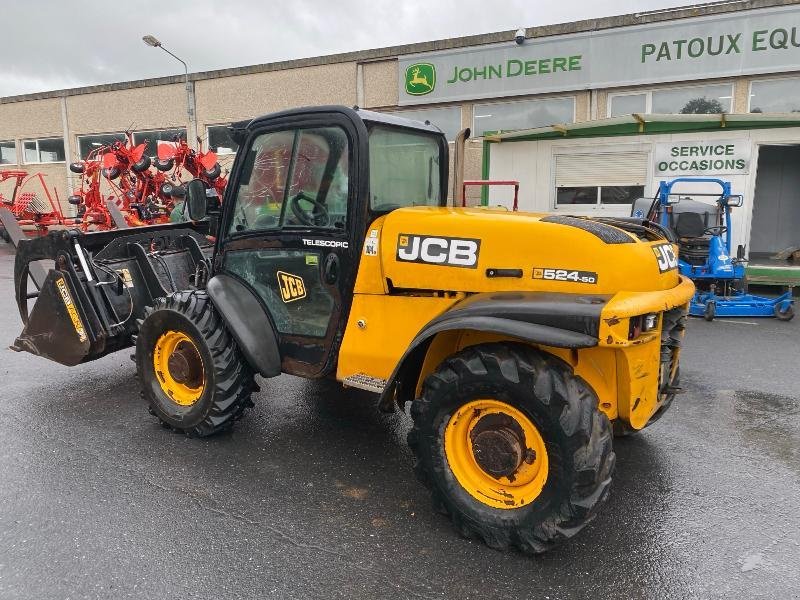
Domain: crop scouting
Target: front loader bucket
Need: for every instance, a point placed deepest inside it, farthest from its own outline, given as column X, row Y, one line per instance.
column 55, row 327
column 88, row 303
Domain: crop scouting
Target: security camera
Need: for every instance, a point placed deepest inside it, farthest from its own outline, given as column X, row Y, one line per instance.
column 520, row 36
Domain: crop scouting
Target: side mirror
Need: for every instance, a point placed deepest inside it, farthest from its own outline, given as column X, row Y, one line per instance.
column 196, row 203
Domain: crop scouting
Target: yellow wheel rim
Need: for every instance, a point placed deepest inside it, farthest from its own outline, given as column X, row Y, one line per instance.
column 496, row 453
column 179, row 368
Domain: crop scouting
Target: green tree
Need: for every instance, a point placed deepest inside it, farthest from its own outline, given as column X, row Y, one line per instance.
column 702, row 106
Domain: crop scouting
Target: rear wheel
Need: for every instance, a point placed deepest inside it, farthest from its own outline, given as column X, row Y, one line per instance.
column 512, row 446
column 787, row 314
column 192, row 373
column 710, row 311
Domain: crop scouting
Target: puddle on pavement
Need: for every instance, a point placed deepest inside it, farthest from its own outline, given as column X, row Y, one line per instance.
column 770, row 424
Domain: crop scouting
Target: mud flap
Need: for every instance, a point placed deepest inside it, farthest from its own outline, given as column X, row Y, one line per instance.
column 55, row 327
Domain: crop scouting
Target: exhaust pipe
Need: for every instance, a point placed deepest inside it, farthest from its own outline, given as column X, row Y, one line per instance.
column 458, row 167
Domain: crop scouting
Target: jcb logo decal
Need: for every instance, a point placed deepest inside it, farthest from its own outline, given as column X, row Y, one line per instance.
column 665, row 257
column 451, row 252
column 61, row 284
column 291, row 286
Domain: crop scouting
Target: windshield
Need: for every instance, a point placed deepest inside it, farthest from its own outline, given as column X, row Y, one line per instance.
column 403, row 169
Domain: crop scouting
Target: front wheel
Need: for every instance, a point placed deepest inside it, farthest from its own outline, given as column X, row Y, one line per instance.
column 193, row 375
column 512, row 446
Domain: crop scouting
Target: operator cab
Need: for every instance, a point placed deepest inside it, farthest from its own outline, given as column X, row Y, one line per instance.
column 305, row 186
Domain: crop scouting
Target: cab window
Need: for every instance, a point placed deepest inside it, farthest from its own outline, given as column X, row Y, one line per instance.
column 404, row 169
column 294, row 179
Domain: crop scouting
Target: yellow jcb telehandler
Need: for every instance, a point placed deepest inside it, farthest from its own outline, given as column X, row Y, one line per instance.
column 519, row 341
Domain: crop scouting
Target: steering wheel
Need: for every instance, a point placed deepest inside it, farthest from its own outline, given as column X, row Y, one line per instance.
column 319, row 216
column 714, row 231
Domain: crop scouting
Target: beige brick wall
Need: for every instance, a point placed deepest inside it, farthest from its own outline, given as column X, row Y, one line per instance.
column 155, row 107
column 32, row 119
column 741, row 91
column 235, row 98
column 583, row 107
column 380, row 84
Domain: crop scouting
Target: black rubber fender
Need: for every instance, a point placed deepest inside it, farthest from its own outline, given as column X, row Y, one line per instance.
column 248, row 323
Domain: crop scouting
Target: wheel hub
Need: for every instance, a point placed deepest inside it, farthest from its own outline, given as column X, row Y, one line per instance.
column 179, row 368
column 496, row 453
column 498, row 444
column 185, row 365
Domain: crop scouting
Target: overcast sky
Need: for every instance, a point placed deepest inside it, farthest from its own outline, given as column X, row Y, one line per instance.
column 53, row 44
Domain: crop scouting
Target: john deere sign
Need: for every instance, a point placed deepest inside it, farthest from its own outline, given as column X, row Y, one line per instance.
column 757, row 41
column 420, row 79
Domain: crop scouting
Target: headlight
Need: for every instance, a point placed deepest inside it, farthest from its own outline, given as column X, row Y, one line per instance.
column 641, row 324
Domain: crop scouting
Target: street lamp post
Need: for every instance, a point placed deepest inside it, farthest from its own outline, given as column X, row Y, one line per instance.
column 151, row 41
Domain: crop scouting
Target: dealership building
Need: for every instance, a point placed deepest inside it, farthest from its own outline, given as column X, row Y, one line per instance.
column 587, row 116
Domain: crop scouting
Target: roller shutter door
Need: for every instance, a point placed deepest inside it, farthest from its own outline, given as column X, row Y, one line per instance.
column 606, row 169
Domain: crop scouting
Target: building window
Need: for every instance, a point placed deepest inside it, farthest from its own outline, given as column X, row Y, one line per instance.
column 775, row 96
column 627, row 104
column 220, row 141
column 598, row 195
column 699, row 99
column 590, row 181
column 45, row 150
column 8, row 153
column 447, row 119
column 151, row 138
column 528, row 114
column 88, row 143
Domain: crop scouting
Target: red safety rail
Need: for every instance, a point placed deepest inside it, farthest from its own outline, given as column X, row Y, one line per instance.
column 489, row 182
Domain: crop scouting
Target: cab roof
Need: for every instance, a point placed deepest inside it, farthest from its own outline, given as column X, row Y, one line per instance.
column 354, row 114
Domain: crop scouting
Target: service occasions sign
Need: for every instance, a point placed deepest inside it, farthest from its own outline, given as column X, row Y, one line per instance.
column 728, row 157
column 754, row 41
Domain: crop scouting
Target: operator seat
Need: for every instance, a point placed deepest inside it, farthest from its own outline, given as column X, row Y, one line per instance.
column 693, row 245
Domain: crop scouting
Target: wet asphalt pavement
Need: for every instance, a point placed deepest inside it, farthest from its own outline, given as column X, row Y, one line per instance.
column 312, row 495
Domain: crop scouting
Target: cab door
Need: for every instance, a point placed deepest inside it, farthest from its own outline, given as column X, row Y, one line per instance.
column 291, row 233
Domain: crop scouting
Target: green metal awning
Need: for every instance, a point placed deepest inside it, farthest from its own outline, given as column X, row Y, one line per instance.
column 641, row 124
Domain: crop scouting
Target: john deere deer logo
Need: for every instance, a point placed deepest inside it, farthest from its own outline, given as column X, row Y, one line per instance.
column 420, row 79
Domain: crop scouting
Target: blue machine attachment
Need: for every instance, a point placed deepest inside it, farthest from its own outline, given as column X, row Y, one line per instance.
column 703, row 232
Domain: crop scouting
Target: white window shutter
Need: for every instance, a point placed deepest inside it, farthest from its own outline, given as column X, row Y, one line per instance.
column 606, row 169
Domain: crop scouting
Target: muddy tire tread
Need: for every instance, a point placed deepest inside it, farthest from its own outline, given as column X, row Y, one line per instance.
column 571, row 405
column 233, row 378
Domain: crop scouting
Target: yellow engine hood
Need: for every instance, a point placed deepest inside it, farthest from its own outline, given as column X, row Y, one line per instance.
column 480, row 250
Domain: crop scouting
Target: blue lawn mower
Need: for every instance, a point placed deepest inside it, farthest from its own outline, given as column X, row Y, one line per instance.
column 703, row 234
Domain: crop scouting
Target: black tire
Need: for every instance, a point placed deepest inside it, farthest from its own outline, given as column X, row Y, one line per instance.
column 75, row 200
column 141, row 165
column 784, row 315
column 213, row 172
column 164, row 165
column 110, row 173
column 77, row 167
column 710, row 311
column 563, row 408
column 228, row 379
column 166, row 189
